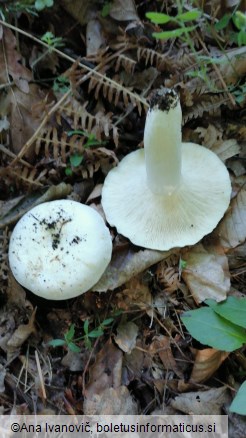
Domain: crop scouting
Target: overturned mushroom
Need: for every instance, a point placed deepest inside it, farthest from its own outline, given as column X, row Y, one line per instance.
column 169, row 194
column 59, row 249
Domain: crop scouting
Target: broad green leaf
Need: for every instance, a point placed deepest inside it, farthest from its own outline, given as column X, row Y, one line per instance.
column 209, row 328
column 233, row 309
column 76, row 160
column 223, row 22
column 239, row 19
column 173, row 33
column 189, row 16
column 158, row 17
column 56, row 343
column 239, row 403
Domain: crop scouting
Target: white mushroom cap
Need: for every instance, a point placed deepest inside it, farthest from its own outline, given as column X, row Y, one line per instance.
column 159, row 209
column 60, row 249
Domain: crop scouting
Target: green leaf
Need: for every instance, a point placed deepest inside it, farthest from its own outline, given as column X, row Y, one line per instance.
column 223, row 22
column 69, row 335
column 233, row 309
column 158, row 17
column 68, row 171
column 194, row 14
column 173, row 33
column 86, row 326
column 96, row 333
column 73, row 347
column 210, row 329
column 106, row 9
column 239, row 403
column 76, row 160
column 239, row 19
column 107, row 321
column 56, row 343
column 88, row 343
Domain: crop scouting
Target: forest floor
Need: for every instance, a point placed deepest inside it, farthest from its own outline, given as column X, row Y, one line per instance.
column 75, row 84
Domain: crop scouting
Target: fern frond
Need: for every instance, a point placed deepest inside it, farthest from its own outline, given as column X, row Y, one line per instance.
column 127, row 63
column 208, row 103
column 97, row 124
column 114, row 91
column 25, row 175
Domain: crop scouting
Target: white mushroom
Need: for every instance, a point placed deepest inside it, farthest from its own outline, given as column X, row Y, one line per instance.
column 59, row 249
column 169, row 194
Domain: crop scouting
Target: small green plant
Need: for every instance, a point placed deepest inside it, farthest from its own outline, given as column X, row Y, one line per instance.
column 61, row 84
column 221, row 326
column 51, row 40
column 76, row 159
column 239, row 21
column 180, row 20
column 70, row 341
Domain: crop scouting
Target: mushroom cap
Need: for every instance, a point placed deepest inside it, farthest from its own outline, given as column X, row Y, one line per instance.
column 59, row 249
column 166, row 221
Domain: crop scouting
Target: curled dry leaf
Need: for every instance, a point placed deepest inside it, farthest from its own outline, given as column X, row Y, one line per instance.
column 232, row 229
column 125, row 265
column 206, row 273
column 127, row 336
column 206, row 362
column 19, row 336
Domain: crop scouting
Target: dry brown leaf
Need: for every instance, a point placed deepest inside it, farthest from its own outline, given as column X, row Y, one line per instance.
column 136, row 295
column 202, row 402
column 125, row 265
column 161, row 345
column 106, row 371
column 123, row 10
column 226, row 149
column 10, row 66
column 21, row 334
column 232, row 229
column 15, row 293
column 104, row 393
column 206, row 362
column 24, row 121
column 111, row 401
column 206, row 274
column 7, row 326
column 126, row 336
column 94, row 37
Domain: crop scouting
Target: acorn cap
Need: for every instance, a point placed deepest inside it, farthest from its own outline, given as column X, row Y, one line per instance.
column 59, row 249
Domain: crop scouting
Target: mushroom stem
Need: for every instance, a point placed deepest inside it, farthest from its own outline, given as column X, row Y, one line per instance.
column 162, row 142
